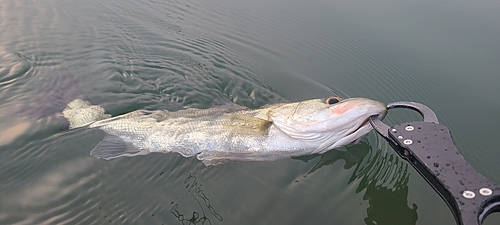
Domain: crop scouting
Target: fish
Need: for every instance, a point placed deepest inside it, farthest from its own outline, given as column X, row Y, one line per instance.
column 222, row 133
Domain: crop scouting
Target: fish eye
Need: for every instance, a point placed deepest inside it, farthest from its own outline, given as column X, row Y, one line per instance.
column 332, row 100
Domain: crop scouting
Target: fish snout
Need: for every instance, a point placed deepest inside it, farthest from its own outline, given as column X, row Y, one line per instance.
column 367, row 107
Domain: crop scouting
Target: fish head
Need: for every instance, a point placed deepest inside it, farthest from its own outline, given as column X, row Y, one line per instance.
column 330, row 122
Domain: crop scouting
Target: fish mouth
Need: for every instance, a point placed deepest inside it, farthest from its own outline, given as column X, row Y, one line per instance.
column 366, row 122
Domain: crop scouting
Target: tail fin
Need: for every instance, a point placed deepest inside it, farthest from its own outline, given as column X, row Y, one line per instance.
column 55, row 94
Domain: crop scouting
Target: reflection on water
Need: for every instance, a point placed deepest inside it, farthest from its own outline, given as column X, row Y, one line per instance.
column 9, row 133
column 384, row 178
column 40, row 200
column 194, row 188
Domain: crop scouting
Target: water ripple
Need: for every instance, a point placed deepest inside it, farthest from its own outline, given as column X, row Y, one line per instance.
column 129, row 55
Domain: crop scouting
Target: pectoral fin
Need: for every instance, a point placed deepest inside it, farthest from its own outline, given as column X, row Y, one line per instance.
column 113, row 147
column 246, row 124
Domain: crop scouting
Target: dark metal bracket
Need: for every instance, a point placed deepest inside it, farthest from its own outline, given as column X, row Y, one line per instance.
column 429, row 148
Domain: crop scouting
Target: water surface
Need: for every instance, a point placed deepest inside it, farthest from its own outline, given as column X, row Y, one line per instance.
column 130, row 55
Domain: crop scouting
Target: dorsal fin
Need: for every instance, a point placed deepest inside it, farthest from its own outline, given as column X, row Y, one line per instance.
column 246, row 124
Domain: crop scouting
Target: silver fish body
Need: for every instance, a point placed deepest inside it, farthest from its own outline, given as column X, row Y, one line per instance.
column 230, row 133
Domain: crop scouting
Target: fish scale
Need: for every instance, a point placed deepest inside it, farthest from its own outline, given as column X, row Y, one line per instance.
column 233, row 133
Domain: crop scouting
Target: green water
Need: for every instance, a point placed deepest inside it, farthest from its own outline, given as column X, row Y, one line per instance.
column 129, row 55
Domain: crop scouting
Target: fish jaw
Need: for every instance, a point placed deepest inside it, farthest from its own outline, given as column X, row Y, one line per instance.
column 331, row 126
